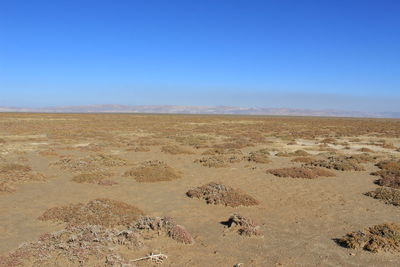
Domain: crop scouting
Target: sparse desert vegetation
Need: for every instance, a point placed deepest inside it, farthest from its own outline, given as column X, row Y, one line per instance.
column 96, row 189
column 153, row 171
column 383, row 237
column 301, row 172
column 219, row 194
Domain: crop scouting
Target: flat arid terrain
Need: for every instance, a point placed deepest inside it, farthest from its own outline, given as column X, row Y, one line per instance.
column 197, row 190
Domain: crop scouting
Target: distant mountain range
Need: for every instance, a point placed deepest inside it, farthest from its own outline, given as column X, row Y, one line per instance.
column 170, row 109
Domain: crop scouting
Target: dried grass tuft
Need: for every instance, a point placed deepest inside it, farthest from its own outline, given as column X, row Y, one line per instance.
column 388, row 195
column 219, row 194
column 153, row 171
column 383, row 237
column 104, row 212
column 301, row 172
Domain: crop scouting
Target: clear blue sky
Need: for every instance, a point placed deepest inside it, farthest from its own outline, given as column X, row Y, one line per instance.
column 341, row 54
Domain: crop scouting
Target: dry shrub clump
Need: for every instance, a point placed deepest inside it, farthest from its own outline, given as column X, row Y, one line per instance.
column 297, row 153
column 306, row 160
column 76, row 165
column 221, row 151
column 164, row 224
column 175, row 150
column 6, row 188
column 94, row 178
column 104, row 212
column 108, row 160
column 244, row 226
column 90, row 245
column 153, row 171
column 214, row 161
column 389, row 173
column 301, row 172
column 259, row 156
column 219, row 194
column 12, row 173
column 139, row 149
column 366, row 150
column 382, row 237
column 340, row 163
column 388, row 195
column 218, row 161
column 90, row 163
column 95, row 245
column 390, row 165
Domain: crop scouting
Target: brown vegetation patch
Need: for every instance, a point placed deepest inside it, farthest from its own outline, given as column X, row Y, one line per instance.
column 214, row 161
column 259, row 156
column 303, row 159
column 219, row 194
column 76, row 165
column 94, row 178
column 104, row 212
column 366, row 150
column 139, row 149
column 297, row 153
column 153, row 171
column 12, row 173
column 221, row 151
column 340, row 163
column 390, row 165
column 301, row 172
column 108, row 160
column 175, row 150
column 388, row 195
column 382, row 237
column 244, row 226
column 6, row 188
column 95, row 245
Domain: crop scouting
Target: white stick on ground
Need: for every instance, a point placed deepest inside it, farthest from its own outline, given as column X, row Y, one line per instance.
column 157, row 258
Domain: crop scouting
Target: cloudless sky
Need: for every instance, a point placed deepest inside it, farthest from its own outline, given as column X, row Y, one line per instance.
column 342, row 54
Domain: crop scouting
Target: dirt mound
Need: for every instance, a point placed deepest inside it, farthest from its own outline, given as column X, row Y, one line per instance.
column 303, row 159
column 214, row 161
column 219, row 194
column 95, row 245
column 100, row 178
column 139, row 149
column 383, row 237
column 389, row 173
column 340, row 163
column 164, row 224
column 365, row 149
column 104, row 212
column 222, row 151
column 243, row 225
column 389, row 165
column 297, row 153
column 301, row 172
column 218, row 161
column 388, row 195
column 90, row 163
column 79, row 245
column 108, row 160
column 175, row 150
column 153, row 171
column 76, row 165
column 389, row 179
column 6, row 188
column 11, row 174
column 259, row 156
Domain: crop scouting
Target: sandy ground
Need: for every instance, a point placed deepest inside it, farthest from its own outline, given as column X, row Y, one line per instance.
column 300, row 218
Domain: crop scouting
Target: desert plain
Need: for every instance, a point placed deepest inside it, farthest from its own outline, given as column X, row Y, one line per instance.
column 197, row 190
